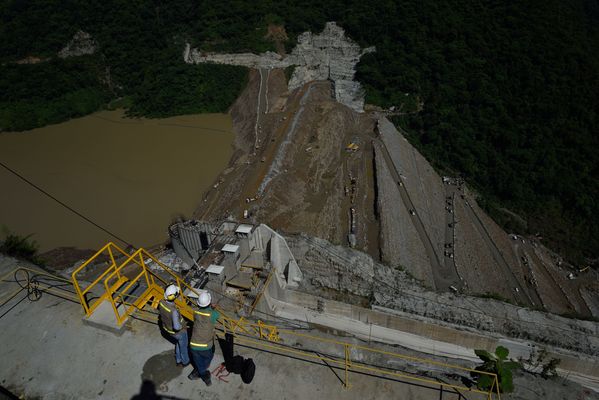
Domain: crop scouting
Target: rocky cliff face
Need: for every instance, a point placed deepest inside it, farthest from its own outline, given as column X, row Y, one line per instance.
column 329, row 55
column 81, row 44
column 330, row 271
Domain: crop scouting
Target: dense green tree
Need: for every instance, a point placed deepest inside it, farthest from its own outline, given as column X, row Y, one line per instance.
column 510, row 90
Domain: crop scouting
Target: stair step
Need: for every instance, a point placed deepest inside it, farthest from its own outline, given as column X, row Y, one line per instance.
column 134, row 293
column 150, row 293
column 118, row 284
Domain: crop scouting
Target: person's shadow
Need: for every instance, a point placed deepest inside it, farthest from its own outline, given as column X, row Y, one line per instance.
column 147, row 391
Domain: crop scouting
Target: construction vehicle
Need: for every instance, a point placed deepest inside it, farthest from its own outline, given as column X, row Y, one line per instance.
column 352, row 147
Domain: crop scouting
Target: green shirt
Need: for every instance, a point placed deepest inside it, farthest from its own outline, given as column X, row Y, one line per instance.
column 215, row 316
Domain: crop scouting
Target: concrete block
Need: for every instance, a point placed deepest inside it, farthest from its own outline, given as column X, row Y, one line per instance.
column 103, row 318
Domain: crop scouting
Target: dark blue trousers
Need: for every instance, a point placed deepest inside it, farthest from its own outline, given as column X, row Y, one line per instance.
column 201, row 360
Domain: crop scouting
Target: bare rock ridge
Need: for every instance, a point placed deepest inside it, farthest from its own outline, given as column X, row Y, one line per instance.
column 329, row 55
column 81, row 44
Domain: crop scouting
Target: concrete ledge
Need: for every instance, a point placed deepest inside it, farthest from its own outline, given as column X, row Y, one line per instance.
column 103, row 318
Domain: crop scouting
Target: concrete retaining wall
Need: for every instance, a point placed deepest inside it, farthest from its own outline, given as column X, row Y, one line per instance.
column 420, row 334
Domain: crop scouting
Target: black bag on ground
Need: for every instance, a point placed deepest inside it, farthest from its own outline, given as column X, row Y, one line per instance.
column 236, row 364
column 226, row 346
column 249, row 369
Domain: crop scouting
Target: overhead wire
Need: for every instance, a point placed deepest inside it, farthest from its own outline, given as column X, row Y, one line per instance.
column 202, row 127
column 71, row 209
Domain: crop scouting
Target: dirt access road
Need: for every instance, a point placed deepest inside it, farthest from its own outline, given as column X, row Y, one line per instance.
column 290, row 168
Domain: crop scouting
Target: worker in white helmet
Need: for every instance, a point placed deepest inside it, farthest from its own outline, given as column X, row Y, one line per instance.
column 174, row 324
column 202, row 338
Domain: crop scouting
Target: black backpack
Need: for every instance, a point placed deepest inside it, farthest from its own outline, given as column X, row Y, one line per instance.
column 249, row 369
column 236, row 364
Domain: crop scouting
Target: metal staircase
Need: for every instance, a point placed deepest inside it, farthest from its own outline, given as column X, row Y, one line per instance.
column 125, row 284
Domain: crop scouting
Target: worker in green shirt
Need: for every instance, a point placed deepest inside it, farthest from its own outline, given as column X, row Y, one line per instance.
column 202, row 338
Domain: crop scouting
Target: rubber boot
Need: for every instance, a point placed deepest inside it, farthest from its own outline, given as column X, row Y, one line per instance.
column 194, row 375
column 206, row 378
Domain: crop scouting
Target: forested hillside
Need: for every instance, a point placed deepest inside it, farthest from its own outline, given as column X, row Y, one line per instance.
column 139, row 61
column 509, row 90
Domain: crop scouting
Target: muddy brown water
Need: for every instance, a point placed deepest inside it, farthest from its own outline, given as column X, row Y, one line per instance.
column 131, row 176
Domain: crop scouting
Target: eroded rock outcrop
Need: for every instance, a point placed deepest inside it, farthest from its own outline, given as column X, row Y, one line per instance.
column 329, row 55
column 81, row 44
column 330, row 270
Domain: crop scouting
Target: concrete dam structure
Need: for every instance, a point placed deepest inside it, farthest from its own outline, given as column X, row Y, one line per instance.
column 282, row 276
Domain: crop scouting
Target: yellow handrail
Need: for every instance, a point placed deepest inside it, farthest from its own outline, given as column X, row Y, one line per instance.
column 272, row 333
column 261, row 334
column 109, row 247
column 138, row 257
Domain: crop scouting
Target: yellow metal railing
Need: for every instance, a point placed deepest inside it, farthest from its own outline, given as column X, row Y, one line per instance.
column 115, row 282
column 271, row 338
column 155, row 284
column 116, row 285
column 112, row 251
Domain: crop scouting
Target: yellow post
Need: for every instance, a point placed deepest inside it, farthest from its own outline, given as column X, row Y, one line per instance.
column 274, row 335
column 81, row 298
column 260, row 329
column 112, row 303
column 347, row 365
column 145, row 267
column 118, row 274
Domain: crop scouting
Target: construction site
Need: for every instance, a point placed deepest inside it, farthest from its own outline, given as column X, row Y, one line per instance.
column 340, row 261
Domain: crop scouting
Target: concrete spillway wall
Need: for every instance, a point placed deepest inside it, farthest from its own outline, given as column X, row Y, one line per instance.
column 421, row 334
column 440, row 324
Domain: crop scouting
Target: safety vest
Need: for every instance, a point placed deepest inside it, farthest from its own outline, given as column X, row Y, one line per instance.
column 202, row 336
column 166, row 315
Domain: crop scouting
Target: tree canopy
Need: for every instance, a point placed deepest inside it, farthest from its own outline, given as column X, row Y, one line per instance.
column 506, row 92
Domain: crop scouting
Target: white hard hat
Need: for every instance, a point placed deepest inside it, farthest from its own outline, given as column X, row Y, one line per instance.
column 171, row 292
column 204, row 299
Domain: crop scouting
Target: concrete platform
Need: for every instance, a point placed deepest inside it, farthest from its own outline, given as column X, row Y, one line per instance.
column 254, row 260
column 241, row 280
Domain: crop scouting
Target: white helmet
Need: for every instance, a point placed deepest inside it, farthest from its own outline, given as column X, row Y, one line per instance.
column 205, row 299
column 171, row 292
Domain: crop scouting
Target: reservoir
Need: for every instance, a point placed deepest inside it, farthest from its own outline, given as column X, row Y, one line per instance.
column 130, row 176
